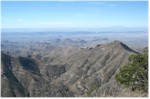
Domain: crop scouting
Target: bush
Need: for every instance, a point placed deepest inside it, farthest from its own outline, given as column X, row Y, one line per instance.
column 135, row 73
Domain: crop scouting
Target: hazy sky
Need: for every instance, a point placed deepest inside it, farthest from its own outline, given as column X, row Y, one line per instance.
column 48, row 14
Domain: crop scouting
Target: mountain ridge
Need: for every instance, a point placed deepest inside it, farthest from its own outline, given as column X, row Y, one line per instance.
column 75, row 72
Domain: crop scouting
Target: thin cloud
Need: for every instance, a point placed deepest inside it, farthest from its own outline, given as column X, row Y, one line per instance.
column 99, row 3
column 54, row 24
column 92, row 3
column 20, row 20
column 86, row 14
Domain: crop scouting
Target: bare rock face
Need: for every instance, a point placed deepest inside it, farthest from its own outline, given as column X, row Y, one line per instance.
column 67, row 73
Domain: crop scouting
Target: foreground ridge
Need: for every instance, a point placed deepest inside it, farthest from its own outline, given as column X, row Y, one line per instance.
column 76, row 72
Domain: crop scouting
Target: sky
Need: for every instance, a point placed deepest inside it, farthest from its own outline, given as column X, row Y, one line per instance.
column 79, row 14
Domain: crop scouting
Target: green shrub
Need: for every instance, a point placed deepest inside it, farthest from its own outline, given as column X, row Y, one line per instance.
column 135, row 73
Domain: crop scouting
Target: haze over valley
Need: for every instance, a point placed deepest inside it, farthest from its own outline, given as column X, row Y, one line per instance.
column 74, row 49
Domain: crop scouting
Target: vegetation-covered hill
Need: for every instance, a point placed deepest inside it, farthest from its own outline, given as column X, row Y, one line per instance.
column 135, row 73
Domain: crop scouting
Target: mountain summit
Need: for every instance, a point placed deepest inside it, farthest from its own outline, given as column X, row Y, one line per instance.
column 76, row 72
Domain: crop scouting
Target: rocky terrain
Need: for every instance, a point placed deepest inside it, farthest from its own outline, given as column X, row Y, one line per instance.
column 65, row 71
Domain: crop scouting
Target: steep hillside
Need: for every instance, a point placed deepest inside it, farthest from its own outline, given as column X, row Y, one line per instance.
column 11, row 87
column 67, row 73
column 21, row 77
column 93, row 67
